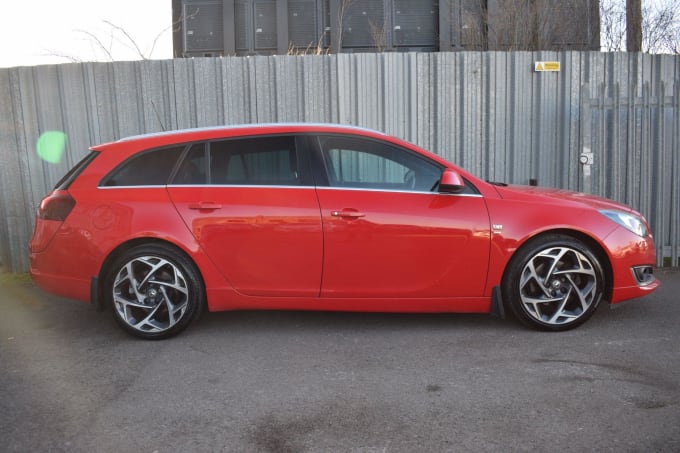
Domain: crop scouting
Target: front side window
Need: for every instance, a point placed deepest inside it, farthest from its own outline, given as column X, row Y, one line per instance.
column 368, row 164
column 150, row 168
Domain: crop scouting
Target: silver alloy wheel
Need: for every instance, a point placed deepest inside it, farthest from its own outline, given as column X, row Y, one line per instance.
column 558, row 285
column 150, row 294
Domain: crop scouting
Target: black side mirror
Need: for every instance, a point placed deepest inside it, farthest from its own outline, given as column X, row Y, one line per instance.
column 451, row 182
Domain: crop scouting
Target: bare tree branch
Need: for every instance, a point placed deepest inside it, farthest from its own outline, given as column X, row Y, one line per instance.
column 660, row 26
column 127, row 36
column 378, row 35
column 118, row 34
column 612, row 25
column 344, row 7
column 100, row 45
column 58, row 54
column 528, row 25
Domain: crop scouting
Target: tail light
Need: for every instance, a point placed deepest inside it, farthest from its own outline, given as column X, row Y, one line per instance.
column 56, row 206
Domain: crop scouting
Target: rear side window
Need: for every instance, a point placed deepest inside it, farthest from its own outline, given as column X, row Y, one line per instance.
column 192, row 169
column 246, row 161
column 150, row 168
column 73, row 173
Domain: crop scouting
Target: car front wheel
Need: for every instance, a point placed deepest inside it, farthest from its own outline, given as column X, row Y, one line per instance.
column 554, row 283
column 155, row 291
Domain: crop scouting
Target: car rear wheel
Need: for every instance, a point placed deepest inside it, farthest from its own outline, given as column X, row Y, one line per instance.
column 554, row 283
column 155, row 291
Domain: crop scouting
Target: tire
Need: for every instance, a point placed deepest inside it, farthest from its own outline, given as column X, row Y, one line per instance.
column 154, row 291
column 553, row 283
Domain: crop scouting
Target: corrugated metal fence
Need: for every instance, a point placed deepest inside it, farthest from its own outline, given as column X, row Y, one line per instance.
column 487, row 111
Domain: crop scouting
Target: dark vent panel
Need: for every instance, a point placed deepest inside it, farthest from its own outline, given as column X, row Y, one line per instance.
column 203, row 27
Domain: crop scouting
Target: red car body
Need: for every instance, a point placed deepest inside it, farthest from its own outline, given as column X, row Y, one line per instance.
column 317, row 246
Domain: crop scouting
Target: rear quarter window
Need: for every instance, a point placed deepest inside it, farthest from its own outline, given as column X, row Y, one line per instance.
column 77, row 169
column 150, row 168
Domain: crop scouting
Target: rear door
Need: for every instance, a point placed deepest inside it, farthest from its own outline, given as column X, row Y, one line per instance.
column 250, row 204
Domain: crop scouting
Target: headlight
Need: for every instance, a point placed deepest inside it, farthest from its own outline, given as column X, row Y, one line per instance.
column 629, row 221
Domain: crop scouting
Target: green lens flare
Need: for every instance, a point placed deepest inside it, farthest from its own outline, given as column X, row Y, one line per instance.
column 51, row 146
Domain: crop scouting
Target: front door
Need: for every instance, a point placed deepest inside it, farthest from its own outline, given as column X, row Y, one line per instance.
column 388, row 234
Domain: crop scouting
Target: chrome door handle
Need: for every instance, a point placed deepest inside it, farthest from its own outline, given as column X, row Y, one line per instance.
column 205, row 206
column 348, row 214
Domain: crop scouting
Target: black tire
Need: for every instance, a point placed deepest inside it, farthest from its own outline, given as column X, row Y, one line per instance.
column 154, row 291
column 553, row 283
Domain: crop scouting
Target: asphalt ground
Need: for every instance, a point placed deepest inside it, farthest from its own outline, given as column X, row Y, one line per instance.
column 71, row 380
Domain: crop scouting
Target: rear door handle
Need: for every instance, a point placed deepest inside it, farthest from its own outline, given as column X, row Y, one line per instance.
column 205, row 206
column 348, row 214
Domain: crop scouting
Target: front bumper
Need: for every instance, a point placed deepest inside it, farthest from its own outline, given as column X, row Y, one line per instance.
column 632, row 260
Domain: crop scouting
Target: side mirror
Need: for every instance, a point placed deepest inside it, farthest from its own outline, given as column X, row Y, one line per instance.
column 451, row 182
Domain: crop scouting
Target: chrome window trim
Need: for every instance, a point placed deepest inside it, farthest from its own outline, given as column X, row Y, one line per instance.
column 262, row 186
column 474, row 195
column 236, row 186
column 132, row 187
column 240, row 186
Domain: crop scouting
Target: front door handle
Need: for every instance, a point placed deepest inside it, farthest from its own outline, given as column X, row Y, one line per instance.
column 348, row 214
column 205, row 206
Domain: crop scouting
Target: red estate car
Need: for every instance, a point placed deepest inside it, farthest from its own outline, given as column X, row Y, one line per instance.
column 324, row 217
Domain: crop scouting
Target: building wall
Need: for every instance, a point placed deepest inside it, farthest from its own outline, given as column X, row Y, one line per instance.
column 486, row 111
column 265, row 27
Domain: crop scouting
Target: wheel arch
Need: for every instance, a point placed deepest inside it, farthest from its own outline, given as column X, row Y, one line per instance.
column 588, row 240
column 124, row 247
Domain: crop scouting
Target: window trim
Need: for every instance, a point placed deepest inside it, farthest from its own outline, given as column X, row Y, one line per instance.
column 415, row 192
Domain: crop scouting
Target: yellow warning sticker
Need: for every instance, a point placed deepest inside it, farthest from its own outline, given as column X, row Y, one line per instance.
column 547, row 66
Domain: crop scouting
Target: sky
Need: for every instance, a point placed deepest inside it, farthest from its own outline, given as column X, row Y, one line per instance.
column 36, row 32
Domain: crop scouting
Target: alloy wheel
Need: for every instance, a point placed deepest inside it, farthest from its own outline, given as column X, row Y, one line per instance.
column 150, row 294
column 558, row 285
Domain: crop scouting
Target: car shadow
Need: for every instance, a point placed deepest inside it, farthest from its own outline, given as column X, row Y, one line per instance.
column 312, row 321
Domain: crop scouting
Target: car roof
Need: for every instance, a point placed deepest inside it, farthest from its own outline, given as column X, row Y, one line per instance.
column 216, row 132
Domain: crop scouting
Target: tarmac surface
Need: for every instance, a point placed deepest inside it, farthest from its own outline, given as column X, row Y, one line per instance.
column 71, row 380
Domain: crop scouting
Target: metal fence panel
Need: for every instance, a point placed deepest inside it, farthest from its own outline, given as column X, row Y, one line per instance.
column 487, row 111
